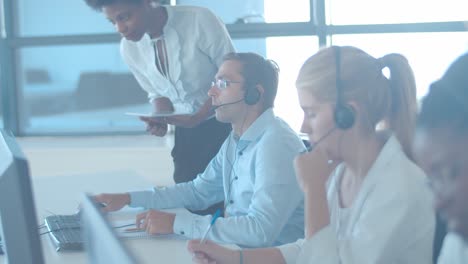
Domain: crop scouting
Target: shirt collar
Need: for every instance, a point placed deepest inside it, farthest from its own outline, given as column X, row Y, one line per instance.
column 390, row 148
column 169, row 13
column 167, row 25
column 256, row 129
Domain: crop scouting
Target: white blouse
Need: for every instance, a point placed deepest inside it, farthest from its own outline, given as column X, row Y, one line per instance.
column 391, row 220
column 454, row 250
column 196, row 41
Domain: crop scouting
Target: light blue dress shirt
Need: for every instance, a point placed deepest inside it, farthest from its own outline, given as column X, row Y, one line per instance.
column 255, row 177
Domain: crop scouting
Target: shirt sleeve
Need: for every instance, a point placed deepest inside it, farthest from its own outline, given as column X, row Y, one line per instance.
column 390, row 228
column 215, row 40
column 145, row 84
column 268, row 212
column 204, row 191
column 291, row 251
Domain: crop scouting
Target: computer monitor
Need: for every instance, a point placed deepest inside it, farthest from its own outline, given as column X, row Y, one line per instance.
column 18, row 221
column 101, row 242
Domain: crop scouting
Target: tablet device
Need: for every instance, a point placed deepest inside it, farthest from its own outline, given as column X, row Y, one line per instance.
column 160, row 114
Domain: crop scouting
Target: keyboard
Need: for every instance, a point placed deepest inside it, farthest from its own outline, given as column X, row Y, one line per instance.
column 65, row 231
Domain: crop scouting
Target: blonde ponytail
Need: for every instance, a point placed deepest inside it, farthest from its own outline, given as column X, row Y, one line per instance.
column 401, row 116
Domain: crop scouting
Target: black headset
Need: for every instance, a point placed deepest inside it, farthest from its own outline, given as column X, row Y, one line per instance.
column 344, row 113
column 252, row 95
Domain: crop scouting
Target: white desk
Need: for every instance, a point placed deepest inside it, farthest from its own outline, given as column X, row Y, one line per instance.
column 61, row 195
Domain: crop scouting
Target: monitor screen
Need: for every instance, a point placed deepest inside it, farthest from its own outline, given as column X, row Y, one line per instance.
column 18, row 221
column 101, row 242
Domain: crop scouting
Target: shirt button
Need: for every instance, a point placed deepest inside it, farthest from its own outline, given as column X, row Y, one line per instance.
column 231, row 201
column 182, row 232
column 240, row 153
column 236, row 178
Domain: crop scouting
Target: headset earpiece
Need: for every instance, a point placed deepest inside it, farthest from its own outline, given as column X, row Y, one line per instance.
column 344, row 116
column 344, row 113
column 252, row 95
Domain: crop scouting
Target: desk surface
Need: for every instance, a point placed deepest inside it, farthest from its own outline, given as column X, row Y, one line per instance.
column 61, row 195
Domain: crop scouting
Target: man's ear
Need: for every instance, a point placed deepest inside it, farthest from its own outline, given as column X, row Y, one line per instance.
column 260, row 89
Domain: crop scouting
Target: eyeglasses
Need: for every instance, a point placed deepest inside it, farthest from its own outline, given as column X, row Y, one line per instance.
column 221, row 83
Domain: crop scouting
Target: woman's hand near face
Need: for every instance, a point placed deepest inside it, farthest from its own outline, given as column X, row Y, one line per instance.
column 312, row 169
column 312, row 172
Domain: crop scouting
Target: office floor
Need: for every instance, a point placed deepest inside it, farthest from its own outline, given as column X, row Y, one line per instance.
column 145, row 155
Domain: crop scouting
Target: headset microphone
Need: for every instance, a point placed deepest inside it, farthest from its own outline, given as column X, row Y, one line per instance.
column 218, row 106
column 321, row 139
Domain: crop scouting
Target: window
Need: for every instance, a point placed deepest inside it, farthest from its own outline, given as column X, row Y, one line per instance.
column 289, row 53
column 345, row 12
column 58, row 17
column 256, row 11
column 429, row 54
column 64, row 79
column 81, row 89
column 2, row 21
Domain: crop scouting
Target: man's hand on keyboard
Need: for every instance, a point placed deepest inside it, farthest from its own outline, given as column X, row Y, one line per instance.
column 113, row 201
